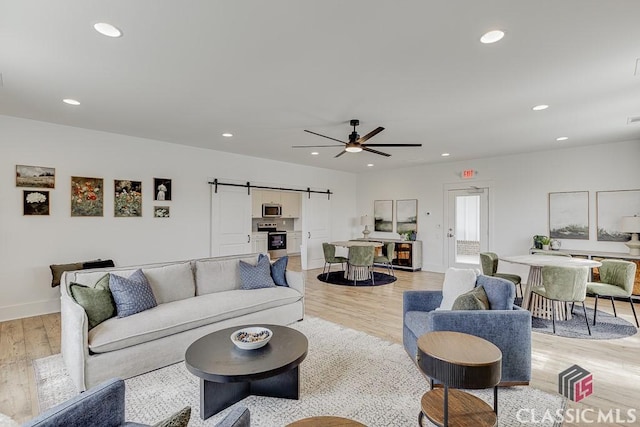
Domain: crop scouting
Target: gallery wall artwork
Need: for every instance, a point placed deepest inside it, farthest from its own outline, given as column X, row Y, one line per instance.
column 383, row 215
column 569, row 215
column 35, row 176
column 35, row 202
column 611, row 207
column 87, row 196
column 406, row 216
column 127, row 198
column 161, row 212
column 162, row 189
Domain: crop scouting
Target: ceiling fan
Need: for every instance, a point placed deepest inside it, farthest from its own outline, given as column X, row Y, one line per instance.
column 356, row 142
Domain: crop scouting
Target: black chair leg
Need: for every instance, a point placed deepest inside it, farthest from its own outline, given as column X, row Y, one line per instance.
column 634, row 312
column 553, row 315
column 613, row 304
column 584, row 309
column 595, row 310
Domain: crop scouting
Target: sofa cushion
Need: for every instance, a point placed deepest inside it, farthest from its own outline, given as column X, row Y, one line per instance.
column 58, row 269
column 256, row 276
column 219, row 274
column 171, row 282
column 131, row 295
column 278, row 270
column 457, row 281
column 96, row 301
column 183, row 315
column 500, row 292
column 475, row 299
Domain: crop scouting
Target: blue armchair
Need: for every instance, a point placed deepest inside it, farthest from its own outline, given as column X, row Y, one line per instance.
column 505, row 325
column 103, row 406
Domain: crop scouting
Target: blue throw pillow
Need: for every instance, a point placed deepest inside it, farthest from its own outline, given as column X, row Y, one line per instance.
column 131, row 295
column 278, row 270
column 256, row 276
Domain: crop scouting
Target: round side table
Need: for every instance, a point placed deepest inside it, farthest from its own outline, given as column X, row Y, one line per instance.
column 459, row 360
column 325, row 421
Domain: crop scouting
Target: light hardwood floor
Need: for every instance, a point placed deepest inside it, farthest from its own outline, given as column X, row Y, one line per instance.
column 615, row 364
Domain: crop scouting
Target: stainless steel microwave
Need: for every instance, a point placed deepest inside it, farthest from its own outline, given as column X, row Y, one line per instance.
column 270, row 210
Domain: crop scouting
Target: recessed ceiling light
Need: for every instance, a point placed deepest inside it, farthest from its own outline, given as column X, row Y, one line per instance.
column 370, row 165
column 445, row 154
column 227, row 135
column 540, row 107
column 562, row 138
column 492, row 36
column 107, row 29
column 314, row 153
column 71, row 101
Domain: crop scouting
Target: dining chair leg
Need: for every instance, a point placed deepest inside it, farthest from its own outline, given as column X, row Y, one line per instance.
column 634, row 311
column 572, row 304
column 373, row 281
column 553, row 315
column 584, row 309
column 595, row 310
column 324, row 267
column 328, row 271
column 613, row 304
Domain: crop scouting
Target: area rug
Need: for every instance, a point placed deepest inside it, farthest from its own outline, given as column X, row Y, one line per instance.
column 607, row 327
column 337, row 278
column 347, row 373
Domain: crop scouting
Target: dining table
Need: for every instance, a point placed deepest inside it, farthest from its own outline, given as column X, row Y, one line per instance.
column 539, row 306
column 356, row 273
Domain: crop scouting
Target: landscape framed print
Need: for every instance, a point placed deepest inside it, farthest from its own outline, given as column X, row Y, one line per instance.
column 35, row 176
column 569, row 215
column 406, row 216
column 383, row 215
column 611, row 206
column 87, row 196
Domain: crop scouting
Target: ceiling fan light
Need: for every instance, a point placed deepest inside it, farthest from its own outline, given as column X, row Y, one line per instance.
column 353, row 149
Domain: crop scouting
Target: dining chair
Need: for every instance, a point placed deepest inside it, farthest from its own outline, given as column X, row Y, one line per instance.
column 489, row 263
column 616, row 281
column 564, row 285
column 387, row 257
column 331, row 258
column 361, row 257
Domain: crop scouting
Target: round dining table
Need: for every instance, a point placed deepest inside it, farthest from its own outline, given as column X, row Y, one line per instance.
column 356, row 273
column 539, row 306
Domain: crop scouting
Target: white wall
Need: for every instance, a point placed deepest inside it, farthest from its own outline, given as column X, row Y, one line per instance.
column 519, row 194
column 29, row 244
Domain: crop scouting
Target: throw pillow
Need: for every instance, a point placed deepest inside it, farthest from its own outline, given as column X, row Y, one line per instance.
column 278, row 270
column 256, row 276
column 58, row 269
column 456, row 282
column 179, row 419
column 132, row 295
column 475, row 299
column 96, row 301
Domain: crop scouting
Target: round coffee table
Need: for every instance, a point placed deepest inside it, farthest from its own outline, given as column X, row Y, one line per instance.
column 326, row 421
column 228, row 374
column 459, row 361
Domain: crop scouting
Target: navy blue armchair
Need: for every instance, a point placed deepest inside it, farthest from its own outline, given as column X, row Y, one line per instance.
column 508, row 326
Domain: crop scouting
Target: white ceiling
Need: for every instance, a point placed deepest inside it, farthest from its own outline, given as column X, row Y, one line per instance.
column 187, row 71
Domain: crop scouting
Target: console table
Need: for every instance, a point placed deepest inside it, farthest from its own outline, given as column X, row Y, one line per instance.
column 407, row 253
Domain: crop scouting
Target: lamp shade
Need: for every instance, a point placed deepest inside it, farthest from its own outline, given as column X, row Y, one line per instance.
column 366, row 220
column 630, row 224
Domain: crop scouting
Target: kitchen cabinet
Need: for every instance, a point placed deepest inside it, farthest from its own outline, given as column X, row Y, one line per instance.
column 290, row 201
column 269, row 196
column 290, row 204
column 256, row 203
column 294, row 241
column 259, row 241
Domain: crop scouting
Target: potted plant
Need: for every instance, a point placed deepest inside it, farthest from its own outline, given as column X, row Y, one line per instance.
column 546, row 241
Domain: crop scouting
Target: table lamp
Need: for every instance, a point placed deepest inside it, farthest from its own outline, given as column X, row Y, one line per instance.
column 366, row 220
column 631, row 224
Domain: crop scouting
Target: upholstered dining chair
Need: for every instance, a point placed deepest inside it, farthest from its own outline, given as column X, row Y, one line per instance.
column 489, row 263
column 616, row 280
column 331, row 258
column 564, row 285
column 361, row 257
column 387, row 257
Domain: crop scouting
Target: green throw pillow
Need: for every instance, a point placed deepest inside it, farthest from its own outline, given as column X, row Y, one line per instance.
column 475, row 299
column 96, row 301
column 179, row 419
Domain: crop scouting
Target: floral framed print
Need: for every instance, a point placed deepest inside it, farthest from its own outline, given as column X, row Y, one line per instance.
column 161, row 189
column 127, row 198
column 161, row 212
column 569, row 215
column 35, row 176
column 406, row 216
column 383, row 215
column 611, row 206
column 87, row 196
column 35, row 203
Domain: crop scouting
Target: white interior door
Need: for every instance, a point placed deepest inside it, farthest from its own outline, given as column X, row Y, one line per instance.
column 467, row 231
column 230, row 221
column 316, row 228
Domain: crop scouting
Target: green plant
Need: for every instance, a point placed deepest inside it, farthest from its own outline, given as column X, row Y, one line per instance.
column 545, row 240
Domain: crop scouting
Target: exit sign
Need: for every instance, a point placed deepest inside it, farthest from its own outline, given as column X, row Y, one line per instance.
column 468, row 173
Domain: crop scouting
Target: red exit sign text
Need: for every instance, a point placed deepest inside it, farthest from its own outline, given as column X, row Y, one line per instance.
column 468, row 173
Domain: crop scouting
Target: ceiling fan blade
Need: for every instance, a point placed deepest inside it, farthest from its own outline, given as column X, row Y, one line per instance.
column 375, row 151
column 393, row 145
column 370, row 134
column 340, row 153
column 324, row 136
column 314, row 146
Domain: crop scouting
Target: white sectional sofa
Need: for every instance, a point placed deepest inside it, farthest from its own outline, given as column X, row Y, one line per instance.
column 194, row 298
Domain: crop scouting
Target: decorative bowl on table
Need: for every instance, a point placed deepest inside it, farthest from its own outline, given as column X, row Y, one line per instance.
column 251, row 338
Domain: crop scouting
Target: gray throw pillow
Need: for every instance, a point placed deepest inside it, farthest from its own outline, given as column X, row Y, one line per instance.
column 475, row 299
column 256, row 276
column 278, row 270
column 96, row 301
column 132, row 295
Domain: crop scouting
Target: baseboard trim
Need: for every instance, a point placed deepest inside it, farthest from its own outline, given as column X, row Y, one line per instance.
column 19, row 311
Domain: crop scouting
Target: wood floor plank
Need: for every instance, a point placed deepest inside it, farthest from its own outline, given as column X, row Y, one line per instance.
column 12, row 347
column 15, row 398
column 35, row 338
column 52, row 326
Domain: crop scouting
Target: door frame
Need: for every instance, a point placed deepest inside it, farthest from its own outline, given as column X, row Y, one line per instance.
column 466, row 185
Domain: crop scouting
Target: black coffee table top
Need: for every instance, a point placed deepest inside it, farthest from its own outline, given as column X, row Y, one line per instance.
column 215, row 358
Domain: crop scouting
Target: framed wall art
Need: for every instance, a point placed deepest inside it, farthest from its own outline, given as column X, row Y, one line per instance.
column 35, row 202
column 161, row 212
column 127, row 200
column 162, row 189
column 35, row 176
column 611, row 206
column 383, row 215
column 569, row 215
column 406, row 216
column 87, row 196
